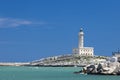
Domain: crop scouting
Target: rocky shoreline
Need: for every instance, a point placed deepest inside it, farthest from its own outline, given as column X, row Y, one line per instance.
column 111, row 67
column 59, row 61
column 57, row 65
column 38, row 65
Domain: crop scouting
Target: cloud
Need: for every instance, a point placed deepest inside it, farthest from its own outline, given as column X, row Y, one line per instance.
column 10, row 22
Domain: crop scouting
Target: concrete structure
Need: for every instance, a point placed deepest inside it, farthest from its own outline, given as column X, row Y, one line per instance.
column 81, row 50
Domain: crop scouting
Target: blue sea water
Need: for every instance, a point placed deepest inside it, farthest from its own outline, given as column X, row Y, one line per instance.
column 48, row 73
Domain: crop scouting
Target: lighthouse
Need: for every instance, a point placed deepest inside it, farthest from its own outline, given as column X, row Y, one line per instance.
column 81, row 39
column 81, row 50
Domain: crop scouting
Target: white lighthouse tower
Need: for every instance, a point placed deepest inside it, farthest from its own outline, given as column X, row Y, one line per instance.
column 81, row 50
column 81, row 38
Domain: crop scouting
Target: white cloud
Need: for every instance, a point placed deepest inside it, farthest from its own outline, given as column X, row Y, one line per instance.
column 10, row 22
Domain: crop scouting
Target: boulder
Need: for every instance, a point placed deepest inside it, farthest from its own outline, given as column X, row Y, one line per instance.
column 103, row 68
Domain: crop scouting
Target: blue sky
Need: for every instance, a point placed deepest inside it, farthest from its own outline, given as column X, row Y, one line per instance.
column 32, row 29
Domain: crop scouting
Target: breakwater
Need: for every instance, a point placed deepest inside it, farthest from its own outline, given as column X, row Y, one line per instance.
column 13, row 64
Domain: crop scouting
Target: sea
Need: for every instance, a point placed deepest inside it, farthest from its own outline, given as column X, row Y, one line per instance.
column 48, row 73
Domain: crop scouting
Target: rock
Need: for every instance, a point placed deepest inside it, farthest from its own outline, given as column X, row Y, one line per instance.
column 103, row 68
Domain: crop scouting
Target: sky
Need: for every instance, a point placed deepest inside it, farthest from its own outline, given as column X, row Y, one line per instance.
column 34, row 29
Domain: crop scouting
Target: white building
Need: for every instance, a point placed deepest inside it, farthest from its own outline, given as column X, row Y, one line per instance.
column 81, row 50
